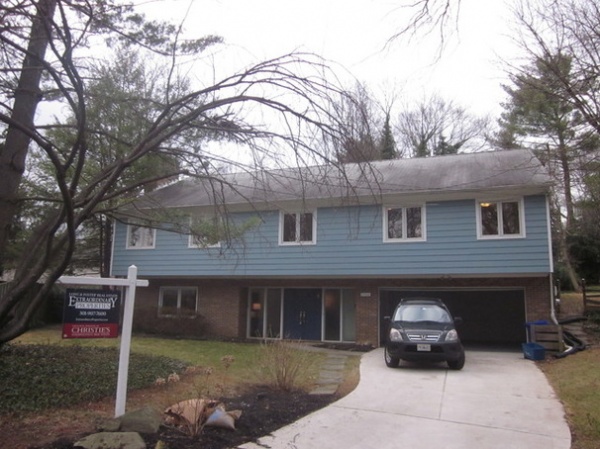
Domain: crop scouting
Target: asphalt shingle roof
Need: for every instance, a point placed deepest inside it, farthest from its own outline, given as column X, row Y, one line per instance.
column 485, row 171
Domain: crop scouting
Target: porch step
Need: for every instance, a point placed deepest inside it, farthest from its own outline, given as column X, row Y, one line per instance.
column 577, row 330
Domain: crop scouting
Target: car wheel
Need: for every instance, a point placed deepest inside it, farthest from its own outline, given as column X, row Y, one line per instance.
column 458, row 363
column 390, row 360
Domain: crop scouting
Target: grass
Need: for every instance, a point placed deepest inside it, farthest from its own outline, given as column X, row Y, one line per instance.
column 41, row 370
column 193, row 352
column 576, row 381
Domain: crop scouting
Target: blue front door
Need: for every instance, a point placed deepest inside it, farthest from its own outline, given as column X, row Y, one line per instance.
column 302, row 313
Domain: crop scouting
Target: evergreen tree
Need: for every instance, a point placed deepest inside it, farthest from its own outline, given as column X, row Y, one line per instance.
column 387, row 142
column 444, row 148
column 539, row 116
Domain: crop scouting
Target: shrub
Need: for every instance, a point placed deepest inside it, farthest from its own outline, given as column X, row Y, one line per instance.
column 284, row 364
column 36, row 377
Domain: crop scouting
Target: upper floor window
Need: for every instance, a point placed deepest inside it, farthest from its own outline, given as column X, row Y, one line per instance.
column 204, row 232
column 139, row 237
column 497, row 219
column 404, row 223
column 297, row 228
column 178, row 302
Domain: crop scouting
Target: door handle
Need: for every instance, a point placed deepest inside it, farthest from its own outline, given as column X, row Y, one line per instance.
column 302, row 317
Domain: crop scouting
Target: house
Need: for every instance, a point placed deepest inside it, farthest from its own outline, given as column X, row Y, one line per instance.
column 325, row 253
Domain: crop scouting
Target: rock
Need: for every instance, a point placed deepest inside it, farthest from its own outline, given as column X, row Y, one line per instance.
column 109, row 425
column 112, row 440
column 144, row 420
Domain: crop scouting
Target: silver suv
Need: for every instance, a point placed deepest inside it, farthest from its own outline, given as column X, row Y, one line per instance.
column 422, row 329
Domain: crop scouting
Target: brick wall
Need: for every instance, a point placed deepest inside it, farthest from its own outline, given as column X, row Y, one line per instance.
column 220, row 311
column 222, row 303
column 367, row 314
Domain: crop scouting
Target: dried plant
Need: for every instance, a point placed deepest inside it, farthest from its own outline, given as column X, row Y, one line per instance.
column 283, row 363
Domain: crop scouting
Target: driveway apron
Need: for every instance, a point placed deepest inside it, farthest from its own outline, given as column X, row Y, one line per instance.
column 498, row 400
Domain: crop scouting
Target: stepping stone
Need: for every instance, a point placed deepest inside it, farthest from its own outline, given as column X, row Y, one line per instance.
column 112, row 440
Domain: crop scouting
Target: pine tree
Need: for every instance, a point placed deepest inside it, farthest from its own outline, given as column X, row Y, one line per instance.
column 387, row 142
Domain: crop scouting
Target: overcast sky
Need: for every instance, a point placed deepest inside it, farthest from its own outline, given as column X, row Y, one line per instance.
column 354, row 34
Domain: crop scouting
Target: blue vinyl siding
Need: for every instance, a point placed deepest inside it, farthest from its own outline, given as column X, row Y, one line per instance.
column 350, row 243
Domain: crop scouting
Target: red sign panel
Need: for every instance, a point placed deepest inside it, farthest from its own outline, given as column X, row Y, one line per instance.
column 91, row 314
column 92, row 330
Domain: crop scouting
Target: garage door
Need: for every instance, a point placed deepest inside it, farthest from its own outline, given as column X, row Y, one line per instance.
column 489, row 316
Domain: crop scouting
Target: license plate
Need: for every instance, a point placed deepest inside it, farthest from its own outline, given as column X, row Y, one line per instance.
column 424, row 348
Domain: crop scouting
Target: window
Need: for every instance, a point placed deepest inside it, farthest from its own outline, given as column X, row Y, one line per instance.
column 139, row 237
column 339, row 315
column 264, row 314
column 204, row 232
column 500, row 219
column 297, row 228
column 178, row 302
column 404, row 223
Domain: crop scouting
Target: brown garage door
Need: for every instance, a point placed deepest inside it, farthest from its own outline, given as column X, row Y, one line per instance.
column 489, row 316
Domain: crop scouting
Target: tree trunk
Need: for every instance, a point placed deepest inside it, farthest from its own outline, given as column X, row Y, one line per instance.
column 106, row 253
column 564, row 253
column 563, row 155
column 27, row 97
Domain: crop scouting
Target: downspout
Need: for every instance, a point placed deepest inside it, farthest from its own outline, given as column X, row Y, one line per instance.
column 552, row 300
column 551, row 265
column 571, row 342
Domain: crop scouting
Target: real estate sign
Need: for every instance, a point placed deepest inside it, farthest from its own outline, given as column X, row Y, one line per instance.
column 91, row 314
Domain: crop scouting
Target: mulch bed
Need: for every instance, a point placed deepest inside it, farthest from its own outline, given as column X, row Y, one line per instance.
column 264, row 410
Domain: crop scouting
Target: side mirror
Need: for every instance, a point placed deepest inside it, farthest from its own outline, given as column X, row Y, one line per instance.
column 458, row 320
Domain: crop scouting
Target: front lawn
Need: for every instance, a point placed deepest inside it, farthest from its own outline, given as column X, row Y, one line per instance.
column 192, row 352
column 576, row 381
column 54, row 389
column 40, row 370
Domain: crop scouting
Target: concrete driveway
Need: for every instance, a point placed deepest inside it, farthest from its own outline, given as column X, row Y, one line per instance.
column 499, row 400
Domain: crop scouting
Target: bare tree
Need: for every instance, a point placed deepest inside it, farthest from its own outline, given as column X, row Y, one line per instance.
column 358, row 115
column 549, row 28
column 428, row 16
column 437, row 127
column 290, row 93
column 550, row 33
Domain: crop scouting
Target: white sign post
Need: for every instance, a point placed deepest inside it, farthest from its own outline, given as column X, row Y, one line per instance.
column 130, row 285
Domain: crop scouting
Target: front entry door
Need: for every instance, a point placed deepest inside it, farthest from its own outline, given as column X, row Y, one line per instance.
column 302, row 313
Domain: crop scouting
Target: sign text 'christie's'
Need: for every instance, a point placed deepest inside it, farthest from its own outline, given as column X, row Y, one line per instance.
column 91, row 314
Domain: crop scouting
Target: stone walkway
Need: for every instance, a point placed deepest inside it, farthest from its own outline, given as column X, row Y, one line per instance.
column 332, row 373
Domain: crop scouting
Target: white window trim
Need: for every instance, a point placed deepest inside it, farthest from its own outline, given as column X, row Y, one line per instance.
column 128, row 244
column 501, row 235
column 193, row 245
column 423, row 237
column 298, row 242
column 178, row 315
